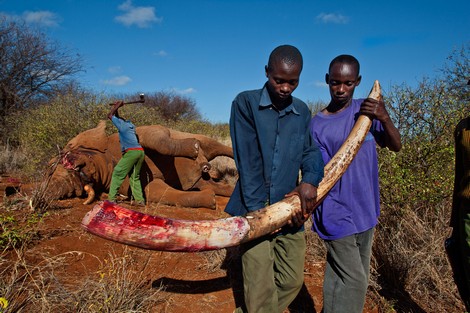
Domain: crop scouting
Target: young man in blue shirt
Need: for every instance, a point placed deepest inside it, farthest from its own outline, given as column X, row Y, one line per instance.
column 346, row 218
column 271, row 143
column 131, row 160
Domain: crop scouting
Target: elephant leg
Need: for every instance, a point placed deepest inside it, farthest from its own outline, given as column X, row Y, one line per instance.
column 158, row 139
column 159, row 192
column 213, row 149
column 210, row 147
column 219, row 188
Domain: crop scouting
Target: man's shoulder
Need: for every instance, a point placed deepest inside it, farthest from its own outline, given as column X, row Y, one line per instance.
column 298, row 101
column 462, row 125
column 356, row 103
column 248, row 98
column 300, row 106
column 254, row 93
column 121, row 123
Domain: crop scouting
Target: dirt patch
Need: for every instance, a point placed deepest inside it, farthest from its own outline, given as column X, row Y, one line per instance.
column 195, row 282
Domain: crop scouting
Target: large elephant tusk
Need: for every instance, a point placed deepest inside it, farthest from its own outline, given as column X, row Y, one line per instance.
column 119, row 224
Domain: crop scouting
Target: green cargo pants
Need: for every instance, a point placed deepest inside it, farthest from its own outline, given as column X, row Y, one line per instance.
column 130, row 163
column 273, row 272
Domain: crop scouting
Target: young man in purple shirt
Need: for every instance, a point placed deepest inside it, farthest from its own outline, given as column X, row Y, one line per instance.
column 347, row 217
column 271, row 143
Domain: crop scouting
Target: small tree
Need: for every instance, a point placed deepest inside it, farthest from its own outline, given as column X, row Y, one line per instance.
column 31, row 67
column 173, row 107
column 426, row 117
column 44, row 130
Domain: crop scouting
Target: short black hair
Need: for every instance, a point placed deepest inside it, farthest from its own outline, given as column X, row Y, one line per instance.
column 347, row 59
column 287, row 54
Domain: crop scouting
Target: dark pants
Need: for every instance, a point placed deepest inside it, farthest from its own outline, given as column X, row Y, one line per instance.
column 464, row 240
column 273, row 272
column 347, row 273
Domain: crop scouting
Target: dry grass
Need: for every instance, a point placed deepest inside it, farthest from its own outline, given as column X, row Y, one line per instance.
column 36, row 282
column 11, row 159
column 118, row 286
column 41, row 201
column 410, row 263
column 213, row 260
column 316, row 250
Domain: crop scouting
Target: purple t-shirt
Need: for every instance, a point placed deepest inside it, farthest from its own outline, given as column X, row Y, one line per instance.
column 353, row 204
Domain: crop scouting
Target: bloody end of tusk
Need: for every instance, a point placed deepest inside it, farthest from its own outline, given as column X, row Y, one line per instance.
column 111, row 221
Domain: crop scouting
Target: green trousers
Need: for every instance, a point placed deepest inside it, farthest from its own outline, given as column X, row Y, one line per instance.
column 273, row 272
column 130, row 163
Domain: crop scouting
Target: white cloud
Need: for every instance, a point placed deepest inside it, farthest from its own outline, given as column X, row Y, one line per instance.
column 43, row 18
column 319, row 83
column 114, row 69
column 141, row 16
column 184, row 91
column 118, row 81
column 161, row 53
column 332, row 18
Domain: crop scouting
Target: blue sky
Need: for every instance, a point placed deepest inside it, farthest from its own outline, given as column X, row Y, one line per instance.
column 211, row 50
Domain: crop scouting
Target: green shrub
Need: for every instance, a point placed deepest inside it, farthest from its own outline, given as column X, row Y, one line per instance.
column 16, row 231
column 42, row 131
column 416, row 194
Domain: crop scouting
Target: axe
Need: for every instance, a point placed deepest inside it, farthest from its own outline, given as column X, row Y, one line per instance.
column 141, row 100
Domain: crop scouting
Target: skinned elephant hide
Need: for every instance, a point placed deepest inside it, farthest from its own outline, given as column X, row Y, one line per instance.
column 176, row 170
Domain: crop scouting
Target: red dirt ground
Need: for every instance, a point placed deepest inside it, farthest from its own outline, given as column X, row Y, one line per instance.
column 191, row 285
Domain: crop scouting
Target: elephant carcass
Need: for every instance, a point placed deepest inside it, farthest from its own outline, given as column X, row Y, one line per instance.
column 176, row 170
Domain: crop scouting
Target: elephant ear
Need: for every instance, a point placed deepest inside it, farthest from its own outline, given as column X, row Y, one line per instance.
column 94, row 139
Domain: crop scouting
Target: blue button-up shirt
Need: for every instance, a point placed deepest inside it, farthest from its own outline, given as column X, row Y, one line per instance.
column 270, row 148
column 127, row 136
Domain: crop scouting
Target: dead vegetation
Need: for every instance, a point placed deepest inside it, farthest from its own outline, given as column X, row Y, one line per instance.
column 43, row 286
column 411, row 267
